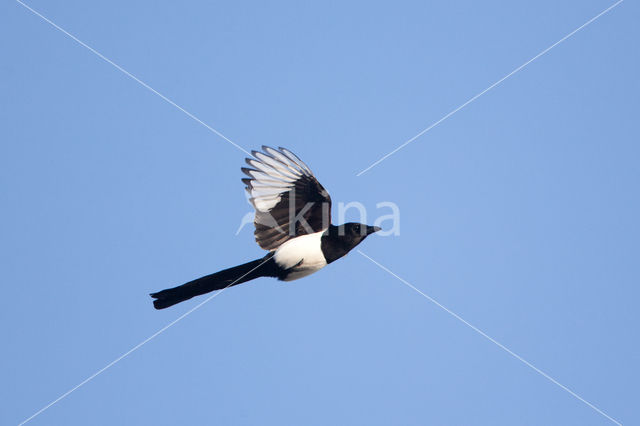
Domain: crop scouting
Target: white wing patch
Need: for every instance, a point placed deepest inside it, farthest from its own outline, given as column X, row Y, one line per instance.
column 274, row 174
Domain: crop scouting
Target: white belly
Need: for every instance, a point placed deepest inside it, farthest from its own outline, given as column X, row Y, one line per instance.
column 303, row 254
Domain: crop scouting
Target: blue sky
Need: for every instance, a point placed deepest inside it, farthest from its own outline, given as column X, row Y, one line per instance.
column 519, row 213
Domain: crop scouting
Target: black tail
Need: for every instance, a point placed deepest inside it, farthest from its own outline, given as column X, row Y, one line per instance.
column 264, row 267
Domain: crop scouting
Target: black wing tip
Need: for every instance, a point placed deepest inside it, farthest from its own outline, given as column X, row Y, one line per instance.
column 247, row 171
column 296, row 160
column 287, row 151
column 264, row 151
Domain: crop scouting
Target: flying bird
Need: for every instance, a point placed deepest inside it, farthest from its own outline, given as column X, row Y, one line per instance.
column 292, row 221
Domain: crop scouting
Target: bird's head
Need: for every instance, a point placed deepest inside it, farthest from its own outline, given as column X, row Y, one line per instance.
column 354, row 233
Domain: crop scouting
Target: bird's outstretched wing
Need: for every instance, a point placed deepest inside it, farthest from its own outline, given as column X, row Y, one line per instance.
column 288, row 199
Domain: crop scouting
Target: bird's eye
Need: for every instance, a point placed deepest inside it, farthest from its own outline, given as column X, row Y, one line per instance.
column 356, row 228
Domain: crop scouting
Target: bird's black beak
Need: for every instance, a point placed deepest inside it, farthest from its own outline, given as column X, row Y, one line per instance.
column 372, row 229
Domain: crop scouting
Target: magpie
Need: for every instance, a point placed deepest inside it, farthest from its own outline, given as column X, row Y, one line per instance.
column 292, row 221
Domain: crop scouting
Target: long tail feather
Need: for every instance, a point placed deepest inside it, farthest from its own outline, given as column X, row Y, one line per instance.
column 264, row 267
